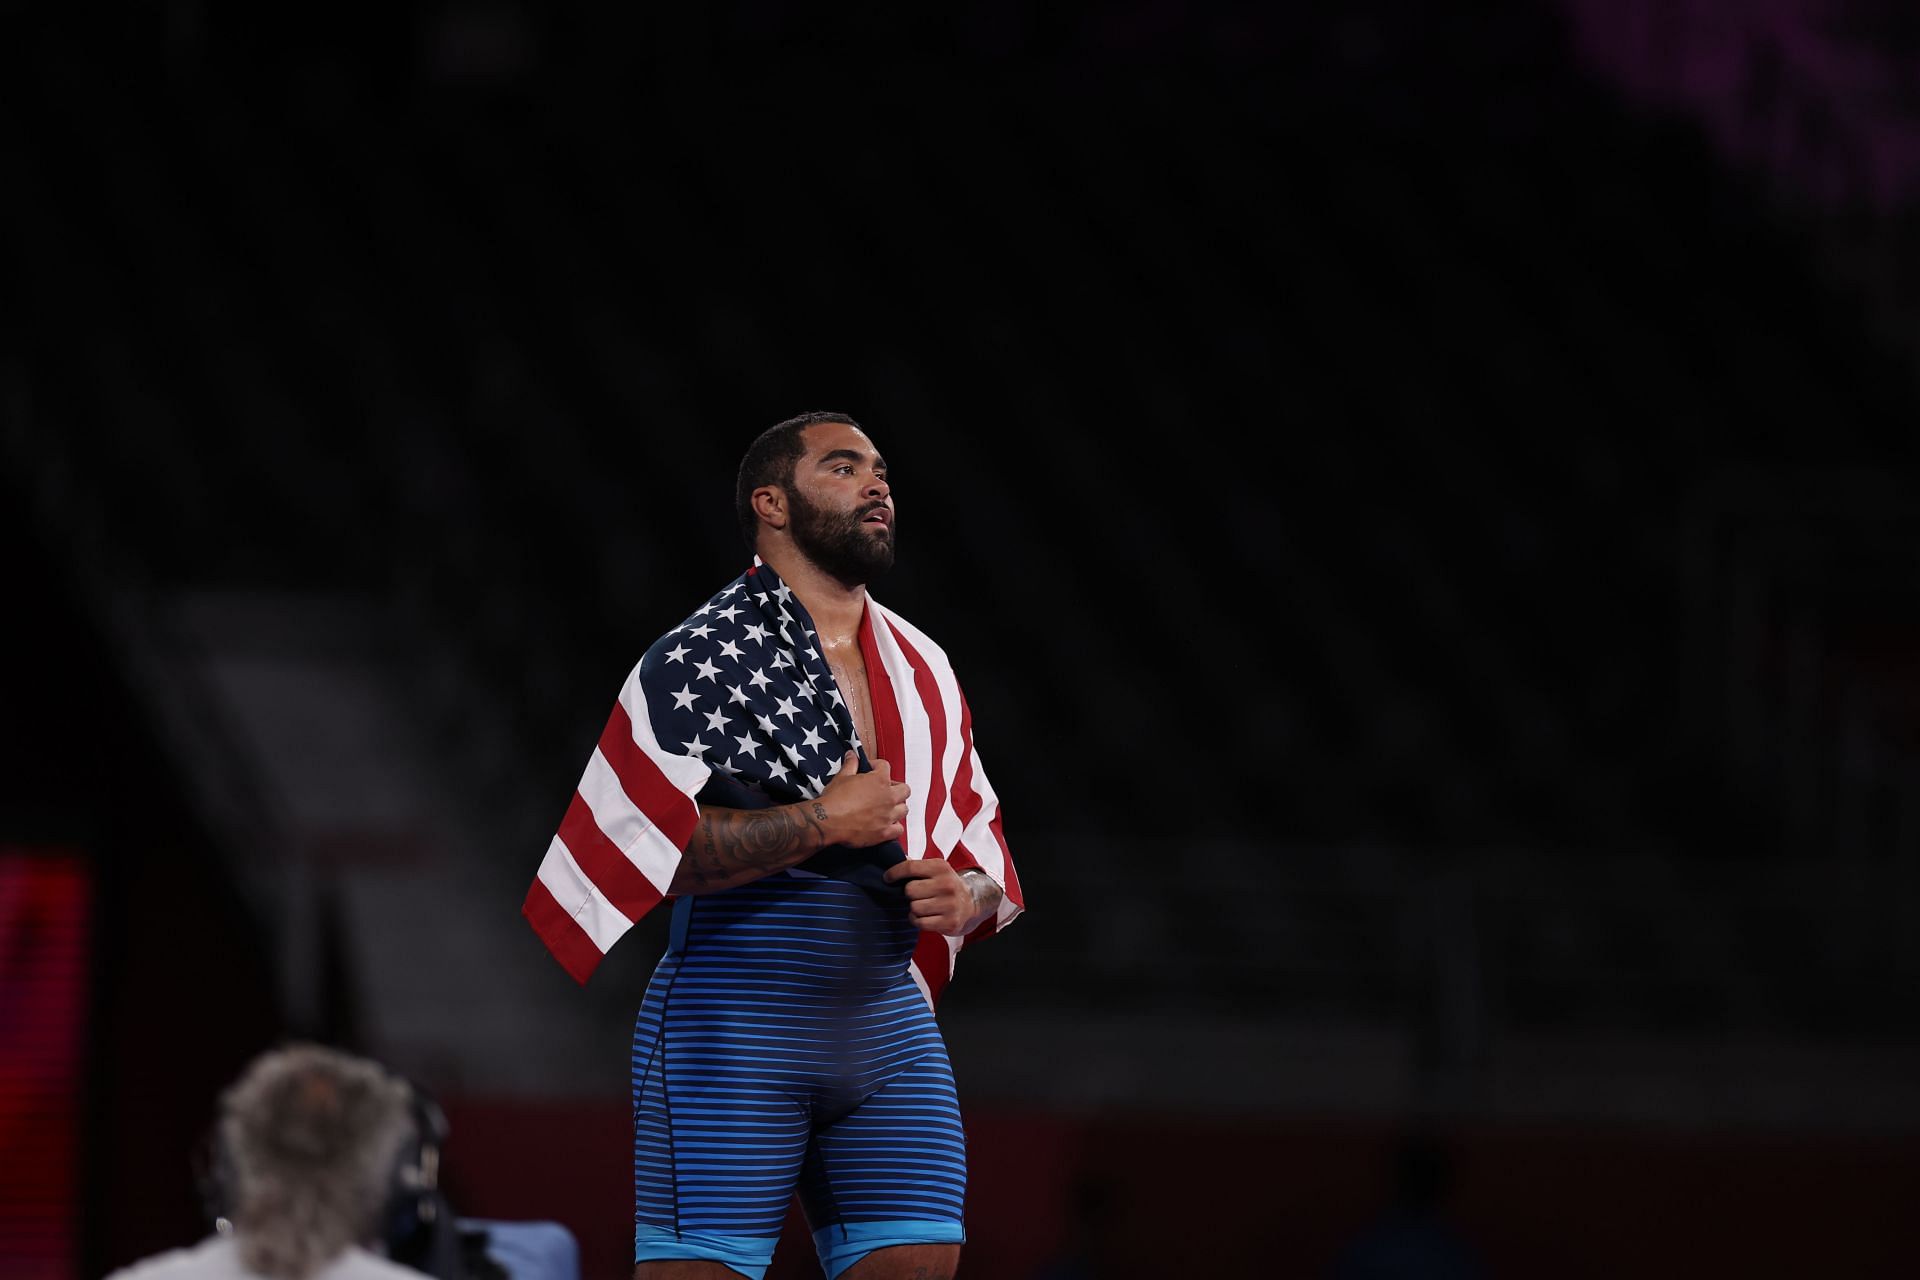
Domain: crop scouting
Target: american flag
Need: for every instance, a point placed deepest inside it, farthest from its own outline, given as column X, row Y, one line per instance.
column 737, row 707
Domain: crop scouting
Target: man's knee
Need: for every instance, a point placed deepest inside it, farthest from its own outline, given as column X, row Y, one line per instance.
column 907, row 1262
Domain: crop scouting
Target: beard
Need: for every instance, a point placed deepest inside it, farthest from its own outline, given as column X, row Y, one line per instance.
column 838, row 543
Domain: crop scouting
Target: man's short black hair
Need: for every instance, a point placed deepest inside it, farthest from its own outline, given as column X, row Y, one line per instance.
column 770, row 459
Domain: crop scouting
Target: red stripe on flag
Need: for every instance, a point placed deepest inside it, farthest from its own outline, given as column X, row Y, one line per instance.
column 1011, row 882
column 1015, row 894
column 618, row 880
column 935, row 962
column 963, row 787
column 651, row 791
column 890, row 736
column 966, row 801
column 927, row 689
column 1008, row 876
column 568, row 942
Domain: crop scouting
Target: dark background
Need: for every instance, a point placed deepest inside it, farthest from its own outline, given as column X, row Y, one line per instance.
column 1420, row 501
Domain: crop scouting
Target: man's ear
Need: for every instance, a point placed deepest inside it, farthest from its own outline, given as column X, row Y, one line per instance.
column 770, row 504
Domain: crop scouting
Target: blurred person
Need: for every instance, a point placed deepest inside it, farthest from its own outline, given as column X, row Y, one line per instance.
column 326, row 1166
column 308, row 1146
column 793, row 767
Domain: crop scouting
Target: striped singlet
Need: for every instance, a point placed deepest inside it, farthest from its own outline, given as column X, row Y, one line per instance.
column 783, row 1046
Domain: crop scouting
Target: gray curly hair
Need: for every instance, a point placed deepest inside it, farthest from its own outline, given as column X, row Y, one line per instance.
column 312, row 1138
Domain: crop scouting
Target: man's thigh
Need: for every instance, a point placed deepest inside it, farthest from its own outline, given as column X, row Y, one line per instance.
column 896, row 1262
column 906, row 1262
column 683, row 1269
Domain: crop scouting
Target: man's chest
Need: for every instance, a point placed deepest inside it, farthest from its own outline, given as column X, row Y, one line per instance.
column 849, row 669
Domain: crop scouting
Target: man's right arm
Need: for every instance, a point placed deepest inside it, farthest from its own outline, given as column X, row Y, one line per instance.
column 734, row 846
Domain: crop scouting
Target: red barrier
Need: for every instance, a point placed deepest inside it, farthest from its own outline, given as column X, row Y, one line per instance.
column 45, row 902
column 1155, row 1196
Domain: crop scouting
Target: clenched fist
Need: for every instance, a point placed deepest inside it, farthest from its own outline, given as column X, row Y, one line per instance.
column 940, row 899
column 863, row 809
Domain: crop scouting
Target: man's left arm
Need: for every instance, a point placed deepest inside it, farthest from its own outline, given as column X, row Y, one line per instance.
column 943, row 899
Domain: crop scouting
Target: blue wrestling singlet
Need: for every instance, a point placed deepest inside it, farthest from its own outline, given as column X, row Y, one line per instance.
column 783, row 1046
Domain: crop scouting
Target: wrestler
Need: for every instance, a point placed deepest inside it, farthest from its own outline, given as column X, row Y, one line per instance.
column 793, row 767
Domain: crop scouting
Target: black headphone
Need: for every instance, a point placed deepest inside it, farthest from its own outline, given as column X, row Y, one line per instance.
column 420, row 1229
column 417, row 1225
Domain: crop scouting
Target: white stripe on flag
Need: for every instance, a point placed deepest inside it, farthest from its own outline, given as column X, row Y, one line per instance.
column 944, row 828
column 979, row 837
column 624, row 823
column 915, row 729
column 579, row 898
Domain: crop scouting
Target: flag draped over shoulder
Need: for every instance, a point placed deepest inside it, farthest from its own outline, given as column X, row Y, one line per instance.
column 737, row 705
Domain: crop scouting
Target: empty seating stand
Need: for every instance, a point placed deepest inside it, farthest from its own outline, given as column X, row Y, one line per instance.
column 1327, row 437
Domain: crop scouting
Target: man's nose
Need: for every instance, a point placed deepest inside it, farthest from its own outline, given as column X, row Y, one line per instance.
column 877, row 487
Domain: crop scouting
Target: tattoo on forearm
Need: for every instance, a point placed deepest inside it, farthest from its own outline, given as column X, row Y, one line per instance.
column 756, row 841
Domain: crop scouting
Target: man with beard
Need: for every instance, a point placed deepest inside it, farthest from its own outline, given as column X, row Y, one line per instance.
column 794, row 768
